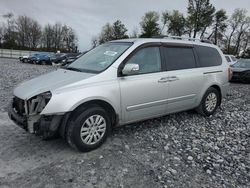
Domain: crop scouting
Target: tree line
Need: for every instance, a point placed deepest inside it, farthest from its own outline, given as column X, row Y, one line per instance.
column 26, row 33
column 230, row 33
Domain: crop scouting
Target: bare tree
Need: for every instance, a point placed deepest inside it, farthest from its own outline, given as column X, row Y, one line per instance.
column 237, row 21
column 9, row 31
column 35, row 34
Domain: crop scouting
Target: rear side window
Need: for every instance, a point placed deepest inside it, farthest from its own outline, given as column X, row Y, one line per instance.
column 208, row 56
column 178, row 58
column 228, row 59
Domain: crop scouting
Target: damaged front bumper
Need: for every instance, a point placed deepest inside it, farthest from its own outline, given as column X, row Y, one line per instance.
column 45, row 125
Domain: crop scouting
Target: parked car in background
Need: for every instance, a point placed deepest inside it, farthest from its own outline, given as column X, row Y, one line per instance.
column 41, row 59
column 24, row 58
column 231, row 59
column 57, row 58
column 71, row 57
column 241, row 71
column 32, row 57
column 121, row 82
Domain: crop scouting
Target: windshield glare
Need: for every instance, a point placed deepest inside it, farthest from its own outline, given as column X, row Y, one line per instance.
column 100, row 58
column 242, row 63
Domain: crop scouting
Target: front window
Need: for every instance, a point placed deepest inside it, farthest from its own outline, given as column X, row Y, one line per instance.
column 243, row 63
column 100, row 58
column 148, row 59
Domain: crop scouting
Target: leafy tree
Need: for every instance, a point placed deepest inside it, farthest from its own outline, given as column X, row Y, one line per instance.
column 219, row 25
column 119, row 30
column 200, row 16
column 149, row 24
column 113, row 32
column 106, row 33
column 164, row 20
column 177, row 23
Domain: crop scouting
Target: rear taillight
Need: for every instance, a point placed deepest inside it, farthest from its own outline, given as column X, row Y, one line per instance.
column 230, row 74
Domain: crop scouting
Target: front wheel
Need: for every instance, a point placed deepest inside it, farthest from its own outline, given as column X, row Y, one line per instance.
column 88, row 129
column 209, row 102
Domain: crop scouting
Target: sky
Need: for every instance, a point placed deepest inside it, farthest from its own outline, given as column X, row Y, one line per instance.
column 87, row 17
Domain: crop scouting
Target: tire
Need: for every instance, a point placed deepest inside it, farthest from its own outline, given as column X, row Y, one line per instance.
column 210, row 102
column 43, row 63
column 80, row 123
column 25, row 60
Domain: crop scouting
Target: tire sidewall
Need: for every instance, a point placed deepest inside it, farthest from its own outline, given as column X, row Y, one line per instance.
column 78, row 122
column 209, row 91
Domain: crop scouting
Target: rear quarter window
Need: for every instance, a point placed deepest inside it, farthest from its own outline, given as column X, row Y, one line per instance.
column 208, row 56
column 228, row 59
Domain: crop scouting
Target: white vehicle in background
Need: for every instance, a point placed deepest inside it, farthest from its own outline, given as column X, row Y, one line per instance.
column 24, row 58
column 231, row 59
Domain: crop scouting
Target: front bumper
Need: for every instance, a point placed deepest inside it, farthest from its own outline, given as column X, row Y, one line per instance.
column 46, row 126
column 18, row 119
column 241, row 76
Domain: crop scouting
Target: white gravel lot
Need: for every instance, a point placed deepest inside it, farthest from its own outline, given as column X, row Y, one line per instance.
column 179, row 150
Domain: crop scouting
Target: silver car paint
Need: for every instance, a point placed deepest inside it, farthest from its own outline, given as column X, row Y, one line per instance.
column 133, row 98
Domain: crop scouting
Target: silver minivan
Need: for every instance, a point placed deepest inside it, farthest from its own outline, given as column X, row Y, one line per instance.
column 118, row 83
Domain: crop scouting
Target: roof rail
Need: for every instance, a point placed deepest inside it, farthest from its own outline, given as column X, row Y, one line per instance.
column 183, row 38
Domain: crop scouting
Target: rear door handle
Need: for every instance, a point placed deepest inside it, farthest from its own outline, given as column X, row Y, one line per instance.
column 173, row 78
column 163, row 80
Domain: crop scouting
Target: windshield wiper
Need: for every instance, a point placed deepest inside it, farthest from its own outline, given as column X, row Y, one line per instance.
column 72, row 68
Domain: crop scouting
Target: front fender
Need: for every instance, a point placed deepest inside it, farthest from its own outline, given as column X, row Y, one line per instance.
column 67, row 101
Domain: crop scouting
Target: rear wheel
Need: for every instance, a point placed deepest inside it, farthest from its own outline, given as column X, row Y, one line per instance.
column 88, row 128
column 210, row 102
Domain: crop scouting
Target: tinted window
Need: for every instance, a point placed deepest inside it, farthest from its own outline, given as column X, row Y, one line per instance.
column 148, row 59
column 233, row 58
column 179, row 58
column 228, row 59
column 208, row 56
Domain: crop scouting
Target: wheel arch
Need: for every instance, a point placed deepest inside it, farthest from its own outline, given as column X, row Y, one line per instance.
column 114, row 117
column 217, row 87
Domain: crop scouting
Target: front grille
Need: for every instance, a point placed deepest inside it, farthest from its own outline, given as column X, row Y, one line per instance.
column 18, row 105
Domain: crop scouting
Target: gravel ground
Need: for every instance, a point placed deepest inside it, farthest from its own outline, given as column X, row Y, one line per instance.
column 179, row 150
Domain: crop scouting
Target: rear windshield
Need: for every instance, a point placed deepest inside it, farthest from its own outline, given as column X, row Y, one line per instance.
column 242, row 63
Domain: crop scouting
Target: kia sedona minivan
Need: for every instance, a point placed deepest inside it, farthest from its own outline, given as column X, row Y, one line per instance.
column 121, row 82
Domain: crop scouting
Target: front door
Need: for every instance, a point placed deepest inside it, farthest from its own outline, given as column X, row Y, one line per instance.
column 144, row 95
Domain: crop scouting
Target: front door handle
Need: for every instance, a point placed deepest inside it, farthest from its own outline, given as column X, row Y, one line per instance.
column 163, row 80
column 173, row 78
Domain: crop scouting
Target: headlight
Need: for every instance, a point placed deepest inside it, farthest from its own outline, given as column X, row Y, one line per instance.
column 37, row 103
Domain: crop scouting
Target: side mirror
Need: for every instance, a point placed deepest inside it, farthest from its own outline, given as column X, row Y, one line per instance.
column 130, row 69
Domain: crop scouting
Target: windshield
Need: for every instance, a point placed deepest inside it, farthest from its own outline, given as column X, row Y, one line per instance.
column 242, row 63
column 99, row 58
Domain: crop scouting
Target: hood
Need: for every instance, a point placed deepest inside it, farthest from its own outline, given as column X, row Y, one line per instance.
column 49, row 82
